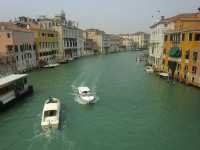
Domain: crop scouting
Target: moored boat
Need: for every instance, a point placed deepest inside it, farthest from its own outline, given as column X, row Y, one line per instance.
column 13, row 87
column 51, row 65
column 85, row 95
column 164, row 75
column 51, row 113
column 149, row 69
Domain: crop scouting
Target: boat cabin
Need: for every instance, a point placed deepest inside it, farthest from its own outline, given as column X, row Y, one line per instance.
column 12, row 87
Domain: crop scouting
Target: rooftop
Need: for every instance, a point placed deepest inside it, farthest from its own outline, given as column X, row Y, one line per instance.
column 4, row 81
column 12, row 26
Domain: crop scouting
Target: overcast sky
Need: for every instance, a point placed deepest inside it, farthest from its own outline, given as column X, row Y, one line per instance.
column 112, row 16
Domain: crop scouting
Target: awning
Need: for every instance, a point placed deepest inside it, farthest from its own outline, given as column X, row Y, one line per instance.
column 174, row 52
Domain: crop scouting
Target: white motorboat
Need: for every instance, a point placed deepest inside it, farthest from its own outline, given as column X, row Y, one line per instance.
column 149, row 69
column 164, row 75
column 51, row 113
column 51, row 65
column 85, row 95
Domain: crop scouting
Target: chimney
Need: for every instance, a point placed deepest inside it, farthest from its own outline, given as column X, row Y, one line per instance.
column 162, row 17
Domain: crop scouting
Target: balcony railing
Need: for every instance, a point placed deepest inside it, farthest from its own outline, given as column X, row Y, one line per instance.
column 174, row 59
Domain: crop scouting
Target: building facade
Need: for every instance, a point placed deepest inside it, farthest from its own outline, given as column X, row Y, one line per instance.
column 17, row 45
column 158, row 30
column 89, row 45
column 116, row 43
column 141, row 40
column 69, row 37
column 46, row 40
column 128, row 42
column 106, row 43
column 97, row 36
column 182, row 48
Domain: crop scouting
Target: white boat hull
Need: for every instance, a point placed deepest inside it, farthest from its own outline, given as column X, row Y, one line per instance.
column 149, row 70
column 164, row 75
column 87, row 100
column 51, row 66
column 84, row 94
column 51, row 114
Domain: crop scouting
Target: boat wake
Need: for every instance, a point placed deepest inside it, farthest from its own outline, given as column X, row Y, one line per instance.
column 77, row 97
column 48, row 137
column 83, row 83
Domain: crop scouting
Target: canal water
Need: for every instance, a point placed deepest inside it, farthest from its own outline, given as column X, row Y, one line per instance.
column 135, row 110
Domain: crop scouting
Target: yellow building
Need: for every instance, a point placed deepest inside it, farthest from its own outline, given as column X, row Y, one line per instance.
column 181, row 53
column 46, row 41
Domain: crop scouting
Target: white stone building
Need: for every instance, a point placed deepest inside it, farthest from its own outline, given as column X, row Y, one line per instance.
column 127, row 42
column 140, row 39
column 158, row 30
column 106, row 43
column 116, row 43
column 97, row 36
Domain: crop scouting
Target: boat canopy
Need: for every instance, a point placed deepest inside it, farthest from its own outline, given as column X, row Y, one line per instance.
column 4, row 81
column 174, row 52
column 51, row 106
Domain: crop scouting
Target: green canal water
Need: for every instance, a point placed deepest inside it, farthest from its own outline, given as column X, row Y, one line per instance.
column 134, row 111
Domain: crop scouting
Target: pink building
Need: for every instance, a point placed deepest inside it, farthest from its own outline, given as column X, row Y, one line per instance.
column 17, row 47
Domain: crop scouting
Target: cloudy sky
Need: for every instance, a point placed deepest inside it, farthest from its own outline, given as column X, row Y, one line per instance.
column 112, row 16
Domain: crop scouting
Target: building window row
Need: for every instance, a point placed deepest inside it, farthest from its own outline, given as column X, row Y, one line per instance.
column 70, row 43
column 177, row 36
column 48, row 45
column 48, row 35
column 25, row 47
column 22, row 47
column 194, row 70
column 48, row 53
column 24, row 57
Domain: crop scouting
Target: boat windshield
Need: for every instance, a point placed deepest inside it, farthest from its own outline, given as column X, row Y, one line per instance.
column 85, row 92
column 51, row 100
column 50, row 113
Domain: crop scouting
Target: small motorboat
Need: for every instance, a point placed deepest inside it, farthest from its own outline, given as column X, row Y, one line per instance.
column 70, row 59
column 85, row 95
column 149, row 69
column 51, row 65
column 164, row 75
column 51, row 113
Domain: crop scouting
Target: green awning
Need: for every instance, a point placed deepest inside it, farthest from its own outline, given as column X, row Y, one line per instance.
column 174, row 52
